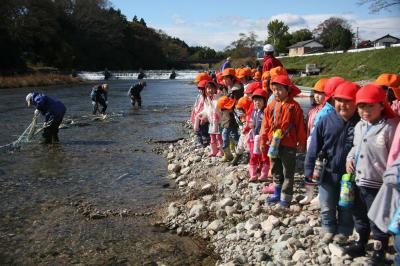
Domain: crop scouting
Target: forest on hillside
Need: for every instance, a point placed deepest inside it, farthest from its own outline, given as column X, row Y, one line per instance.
column 86, row 34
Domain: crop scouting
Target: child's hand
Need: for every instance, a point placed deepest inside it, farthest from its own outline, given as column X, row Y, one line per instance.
column 349, row 167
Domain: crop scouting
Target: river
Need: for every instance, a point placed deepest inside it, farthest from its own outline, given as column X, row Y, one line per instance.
column 89, row 200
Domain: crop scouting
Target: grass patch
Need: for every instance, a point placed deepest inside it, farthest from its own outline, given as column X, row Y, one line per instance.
column 34, row 80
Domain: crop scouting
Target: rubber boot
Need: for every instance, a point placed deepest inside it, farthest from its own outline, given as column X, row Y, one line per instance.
column 276, row 197
column 269, row 189
column 264, row 172
column 378, row 256
column 213, row 149
column 220, row 151
column 357, row 249
column 236, row 159
column 253, row 172
column 227, row 155
column 309, row 195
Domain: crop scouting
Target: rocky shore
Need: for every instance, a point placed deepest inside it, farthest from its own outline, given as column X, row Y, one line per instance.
column 216, row 202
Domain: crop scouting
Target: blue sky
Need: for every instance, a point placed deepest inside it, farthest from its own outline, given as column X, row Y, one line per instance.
column 217, row 23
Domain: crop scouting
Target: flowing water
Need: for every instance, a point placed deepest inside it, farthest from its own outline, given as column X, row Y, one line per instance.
column 47, row 193
column 87, row 199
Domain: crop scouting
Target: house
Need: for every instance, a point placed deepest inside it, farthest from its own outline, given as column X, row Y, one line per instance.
column 386, row 41
column 305, row 47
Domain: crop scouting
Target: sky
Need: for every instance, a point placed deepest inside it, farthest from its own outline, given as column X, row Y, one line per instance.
column 217, row 23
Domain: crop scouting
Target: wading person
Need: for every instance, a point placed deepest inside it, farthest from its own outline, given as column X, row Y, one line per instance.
column 134, row 93
column 52, row 109
column 331, row 140
column 99, row 96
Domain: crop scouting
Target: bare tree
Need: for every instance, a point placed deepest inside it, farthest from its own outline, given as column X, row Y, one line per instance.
column 377, row 5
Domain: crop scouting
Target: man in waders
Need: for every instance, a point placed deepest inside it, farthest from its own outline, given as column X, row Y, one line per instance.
column 99, row 96
column 52, row 109
column 134, row 93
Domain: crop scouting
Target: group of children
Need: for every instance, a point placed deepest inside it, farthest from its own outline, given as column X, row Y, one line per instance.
column 348, row 130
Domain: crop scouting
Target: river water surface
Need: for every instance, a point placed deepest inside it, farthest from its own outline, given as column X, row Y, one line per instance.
column 102, row 169
column 75, row 203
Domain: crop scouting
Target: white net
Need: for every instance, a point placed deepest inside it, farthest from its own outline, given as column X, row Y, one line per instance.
column 26, row 137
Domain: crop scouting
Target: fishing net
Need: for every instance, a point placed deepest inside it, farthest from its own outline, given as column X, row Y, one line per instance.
column 26, row 137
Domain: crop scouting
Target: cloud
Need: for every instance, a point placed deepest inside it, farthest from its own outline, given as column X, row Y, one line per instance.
column 219, row 32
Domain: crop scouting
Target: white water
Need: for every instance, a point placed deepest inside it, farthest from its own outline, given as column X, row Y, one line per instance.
column 131, row 75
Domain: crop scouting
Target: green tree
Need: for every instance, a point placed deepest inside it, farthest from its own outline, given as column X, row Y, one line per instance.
column 278, row 35
column 300, row 35
column 243, row 47
column 333, row 33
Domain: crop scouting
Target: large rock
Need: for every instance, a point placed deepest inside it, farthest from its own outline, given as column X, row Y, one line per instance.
column 226, row 202
column 279, row 247
column 336, row 250
column 252, row 224
column 173, row 210
column 198, row 211
column 174, row 168
column 215, row 225
column 299, row 255
column 186, row 170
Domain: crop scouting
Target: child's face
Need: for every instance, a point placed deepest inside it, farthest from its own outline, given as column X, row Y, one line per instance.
column 319, row 97
column 345, row 108
column 228, row 81
column 370, row 112
column 210, row 91
column 280, row 92
column 258, row 103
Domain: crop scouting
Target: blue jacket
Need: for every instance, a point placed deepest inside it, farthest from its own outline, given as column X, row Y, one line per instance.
column 327, row 109
column 333, row 136
column 50, row 107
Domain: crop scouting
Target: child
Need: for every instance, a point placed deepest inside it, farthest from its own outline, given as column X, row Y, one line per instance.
column 332, row 139
column 391, row 83
column 213, row 115
column 318, row 100
column 200, row 127
column 226, row 105
column 99, row 95
column 242, row 113
column 286, row 115
column 373, row 136
column 258, row 159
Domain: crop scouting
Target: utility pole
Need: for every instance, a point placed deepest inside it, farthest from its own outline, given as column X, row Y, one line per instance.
column 357, row 40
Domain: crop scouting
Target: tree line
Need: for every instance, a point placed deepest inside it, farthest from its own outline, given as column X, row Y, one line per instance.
column 85, row 34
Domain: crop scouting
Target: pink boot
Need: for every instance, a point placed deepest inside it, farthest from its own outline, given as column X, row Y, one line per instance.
column 213, row 149
column 268, row 189
column 220, row 151
column 253, row 172
column 264, row 172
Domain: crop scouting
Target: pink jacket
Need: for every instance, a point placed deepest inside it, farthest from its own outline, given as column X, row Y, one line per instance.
column 312, row 113
column 395, row 148
column 197, row 108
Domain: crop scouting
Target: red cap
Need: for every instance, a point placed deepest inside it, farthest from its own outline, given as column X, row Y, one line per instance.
column 260, row 92
column 202, row 84
column 372, row 93
column 252, row 87
column 330, row 87
column 347, row 90
column 284, row 80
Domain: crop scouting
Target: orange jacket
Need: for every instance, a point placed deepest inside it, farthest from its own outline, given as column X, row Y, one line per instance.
column 289, row 118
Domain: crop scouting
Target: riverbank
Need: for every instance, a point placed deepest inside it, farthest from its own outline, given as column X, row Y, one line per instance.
column 216, row 202
column 34, row 80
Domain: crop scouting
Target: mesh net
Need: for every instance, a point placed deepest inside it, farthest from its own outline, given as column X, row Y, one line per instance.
column 26, row 137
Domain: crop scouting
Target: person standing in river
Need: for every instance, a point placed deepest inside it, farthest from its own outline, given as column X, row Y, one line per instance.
column 134, row 93
column 99, row 95
column 53, row 111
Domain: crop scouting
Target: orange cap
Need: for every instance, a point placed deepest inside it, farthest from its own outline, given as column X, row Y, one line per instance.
column 276, row 71
column 228, row 72
column 320, row 85
column 257, row 75
column 225, row 103
column 346, row 90
column 244, row 72
column 388, row 80
column 243, row 103
column 202, row 76
column 202, row 84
